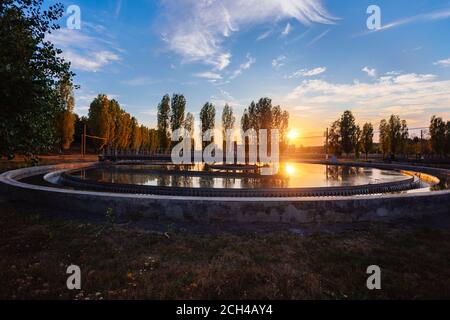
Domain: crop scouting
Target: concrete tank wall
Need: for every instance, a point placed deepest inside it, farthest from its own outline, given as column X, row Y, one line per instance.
column 289, row 210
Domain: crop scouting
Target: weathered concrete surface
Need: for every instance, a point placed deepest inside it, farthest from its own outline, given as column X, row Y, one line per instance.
column 289, row 210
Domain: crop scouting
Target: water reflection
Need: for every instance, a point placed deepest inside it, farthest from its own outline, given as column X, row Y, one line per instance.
column 291, row 175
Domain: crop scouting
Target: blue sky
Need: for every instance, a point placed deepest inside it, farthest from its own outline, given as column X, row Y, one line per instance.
column 314, row 58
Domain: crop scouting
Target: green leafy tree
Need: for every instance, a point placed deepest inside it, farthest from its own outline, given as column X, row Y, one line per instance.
column 395, row 135
column 348, row 130
column 207, row 119
column 164, row 122
column 384, row 137
column 280, row 120
column 228, row 121
column 80, row 122
column 66, row 119
column 264, row 114
column 367, row 139
column 228, row 118
column 99, row 120
column 404, row 138
column 253, row 116
column 136, row 137
column 334, row 139
column 178, row 108
column 189, row 124
column 245, row 121
column 30, row 72
column 154, row 140
column 438, row 135
column 125, row 129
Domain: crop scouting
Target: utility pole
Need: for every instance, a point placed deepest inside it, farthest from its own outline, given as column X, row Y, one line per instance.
column 421, row 143
column 81, row 146
column 326, row 145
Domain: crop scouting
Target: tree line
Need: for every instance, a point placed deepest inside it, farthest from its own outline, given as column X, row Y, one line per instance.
column 259, row 115
column 117, row 129
column 346, row 137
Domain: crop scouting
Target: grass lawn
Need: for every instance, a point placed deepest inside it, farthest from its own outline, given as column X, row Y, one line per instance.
column 128, row 262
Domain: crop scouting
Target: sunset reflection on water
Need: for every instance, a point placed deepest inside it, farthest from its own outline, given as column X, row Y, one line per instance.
column 291, row 175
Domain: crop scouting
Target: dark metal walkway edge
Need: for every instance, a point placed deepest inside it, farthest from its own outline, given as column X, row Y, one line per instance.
column 398, row 186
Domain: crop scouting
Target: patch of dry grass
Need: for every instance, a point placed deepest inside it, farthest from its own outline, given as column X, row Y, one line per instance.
column 132, row 264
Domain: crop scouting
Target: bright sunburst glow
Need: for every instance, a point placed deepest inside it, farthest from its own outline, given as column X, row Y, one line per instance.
column 292, row 134
column 290, row 170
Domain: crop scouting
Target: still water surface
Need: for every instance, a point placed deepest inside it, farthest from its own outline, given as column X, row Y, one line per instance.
column 291, row 175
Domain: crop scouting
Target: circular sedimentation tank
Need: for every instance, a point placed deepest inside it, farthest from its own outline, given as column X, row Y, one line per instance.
column 239, row 181
column 302, row 192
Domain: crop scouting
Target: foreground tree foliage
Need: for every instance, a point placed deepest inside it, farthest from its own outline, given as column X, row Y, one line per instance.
column 30, row 72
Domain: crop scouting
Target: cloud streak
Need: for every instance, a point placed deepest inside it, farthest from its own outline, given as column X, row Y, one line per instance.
column 85, row 52
column 443, row 63
column 197, row 30
column 320, row 36
column 307, row 73
column 244, row 66
column 286, row 30
column 209, row 75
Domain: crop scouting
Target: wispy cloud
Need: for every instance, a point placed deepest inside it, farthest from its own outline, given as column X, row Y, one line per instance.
column 118, row 8
column 244, row 66
column 264, row 35
column 92, row 63
column 278, row 62
column 85, row 51
column 286, row 30
column 320, row 36
column 209, row 75
column 197, row 30
column 140, row 81
column 371, row 72
column 443, row 63
column 307, row 73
